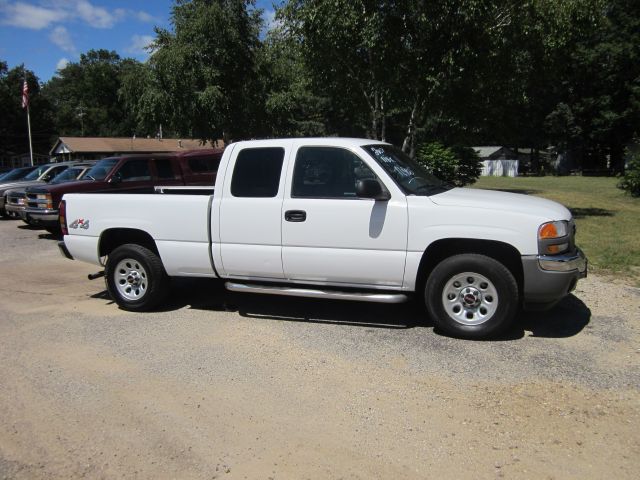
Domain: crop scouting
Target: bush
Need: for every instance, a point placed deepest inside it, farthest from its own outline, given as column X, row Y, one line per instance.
column 459, row 166
column 630, row 182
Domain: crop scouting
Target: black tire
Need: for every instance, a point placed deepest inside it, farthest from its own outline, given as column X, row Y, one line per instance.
column 471, row 296
column 135, row 278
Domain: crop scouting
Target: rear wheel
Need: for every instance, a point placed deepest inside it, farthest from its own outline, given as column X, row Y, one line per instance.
column 135, row 278
column 471, row 296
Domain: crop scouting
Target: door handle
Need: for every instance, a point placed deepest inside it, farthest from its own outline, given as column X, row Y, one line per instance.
column 295, row 215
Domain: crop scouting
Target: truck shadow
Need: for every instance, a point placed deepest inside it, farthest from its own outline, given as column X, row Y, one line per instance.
column 568, row 318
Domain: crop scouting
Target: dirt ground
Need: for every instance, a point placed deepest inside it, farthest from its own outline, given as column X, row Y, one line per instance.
column 219, row 385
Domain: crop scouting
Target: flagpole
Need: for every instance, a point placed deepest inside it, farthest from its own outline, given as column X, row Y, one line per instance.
column 30, row 143
column 25, row 104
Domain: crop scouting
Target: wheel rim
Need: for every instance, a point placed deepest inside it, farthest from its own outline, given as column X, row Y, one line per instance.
column 131, row 279
column 470, row 298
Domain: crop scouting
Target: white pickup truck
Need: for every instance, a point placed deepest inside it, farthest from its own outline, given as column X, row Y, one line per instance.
column 350, row 219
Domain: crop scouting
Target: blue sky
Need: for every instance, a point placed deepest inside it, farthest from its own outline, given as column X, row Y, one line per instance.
column 45, row 34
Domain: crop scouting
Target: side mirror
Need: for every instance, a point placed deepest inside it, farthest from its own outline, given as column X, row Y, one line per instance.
column 370, row 188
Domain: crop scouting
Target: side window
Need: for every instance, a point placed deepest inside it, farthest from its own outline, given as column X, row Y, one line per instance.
column 257, row 172
column 327, row 172
column 204, row 164
column 135, row 171
column 164, row 169
column 56, row 170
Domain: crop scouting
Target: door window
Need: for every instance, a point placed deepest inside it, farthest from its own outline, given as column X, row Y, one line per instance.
column 328, row 172
column 257, row 172
column 135, row 171
column 164, row 169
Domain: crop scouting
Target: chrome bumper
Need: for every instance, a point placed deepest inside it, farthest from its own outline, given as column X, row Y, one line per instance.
column 565, row 263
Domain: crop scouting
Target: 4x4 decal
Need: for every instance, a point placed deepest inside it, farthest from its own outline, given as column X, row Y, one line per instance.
column 80, row 223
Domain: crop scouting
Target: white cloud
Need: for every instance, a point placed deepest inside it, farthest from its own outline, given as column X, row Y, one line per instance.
column 61, row 37
column 95, row 16
column 139, row 43
column 270, row 22
column 63, row 62
column 41, row 14
column 24, row 15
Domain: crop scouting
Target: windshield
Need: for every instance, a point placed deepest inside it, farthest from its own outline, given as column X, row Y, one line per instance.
column 34, row 175
column 100, row 170
column 68, row 174
column 410, row 176
column 15, row 174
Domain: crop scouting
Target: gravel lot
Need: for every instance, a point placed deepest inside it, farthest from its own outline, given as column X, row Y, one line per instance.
column 227, row 386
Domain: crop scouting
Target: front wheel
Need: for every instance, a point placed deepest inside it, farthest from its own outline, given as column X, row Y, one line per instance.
column 135, row 278
column 471, row 296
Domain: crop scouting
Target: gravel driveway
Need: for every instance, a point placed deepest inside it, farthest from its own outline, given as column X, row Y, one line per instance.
column 228, row 386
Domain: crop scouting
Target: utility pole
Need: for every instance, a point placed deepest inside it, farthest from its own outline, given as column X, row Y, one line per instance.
column 81, row 114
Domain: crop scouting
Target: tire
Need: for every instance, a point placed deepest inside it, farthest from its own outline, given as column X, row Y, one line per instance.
column 471, row 296
column 135, row 278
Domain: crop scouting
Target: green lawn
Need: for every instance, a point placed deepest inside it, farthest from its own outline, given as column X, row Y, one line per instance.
column 608, row 221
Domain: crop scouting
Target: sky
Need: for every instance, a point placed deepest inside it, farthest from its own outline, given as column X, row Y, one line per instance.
column 46, row 34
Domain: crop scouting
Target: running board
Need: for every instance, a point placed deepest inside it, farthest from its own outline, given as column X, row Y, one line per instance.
column 315, row 293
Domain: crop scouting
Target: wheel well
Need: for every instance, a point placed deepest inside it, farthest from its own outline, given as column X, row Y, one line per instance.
column 447, row 247
column 115, row 237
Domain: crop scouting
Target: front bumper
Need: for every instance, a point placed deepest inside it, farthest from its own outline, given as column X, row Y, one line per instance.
column 547, row 279
column 17, row 209
column 41, row 216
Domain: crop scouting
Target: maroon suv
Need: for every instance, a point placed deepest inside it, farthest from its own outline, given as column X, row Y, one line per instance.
column 125, row 174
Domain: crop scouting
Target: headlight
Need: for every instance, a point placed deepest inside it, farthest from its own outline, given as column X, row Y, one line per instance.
column 553, row 237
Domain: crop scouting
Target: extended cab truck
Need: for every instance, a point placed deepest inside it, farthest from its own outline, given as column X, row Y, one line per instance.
column 125, row 174
column 334, row 218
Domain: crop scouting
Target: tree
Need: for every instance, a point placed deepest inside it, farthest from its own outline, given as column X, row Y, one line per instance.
column 201, row 78
column 85, row 96
column 14, row 137
column 459, row 166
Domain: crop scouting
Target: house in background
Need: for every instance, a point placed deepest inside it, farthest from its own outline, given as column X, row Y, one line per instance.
column 92, row 148
column 498, row 161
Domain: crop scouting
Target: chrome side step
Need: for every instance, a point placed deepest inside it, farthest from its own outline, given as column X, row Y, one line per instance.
column 316, row 293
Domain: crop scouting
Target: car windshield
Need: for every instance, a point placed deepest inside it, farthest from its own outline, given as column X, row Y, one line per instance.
column 15, row 174
column 34, row 175
column 410, row 176
column 66, row 175
column 101, row 169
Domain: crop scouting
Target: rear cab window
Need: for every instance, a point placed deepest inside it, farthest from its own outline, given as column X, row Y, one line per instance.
column 257, row 172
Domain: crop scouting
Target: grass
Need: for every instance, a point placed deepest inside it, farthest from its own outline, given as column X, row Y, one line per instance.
column 608, row 221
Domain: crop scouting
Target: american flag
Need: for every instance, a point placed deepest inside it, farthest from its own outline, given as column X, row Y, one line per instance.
column 25, row 94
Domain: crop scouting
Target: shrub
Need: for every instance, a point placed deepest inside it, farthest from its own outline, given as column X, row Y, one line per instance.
column 459, row 166
column 630, row 182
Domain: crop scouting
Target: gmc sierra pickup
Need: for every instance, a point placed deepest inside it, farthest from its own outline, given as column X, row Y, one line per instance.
column 350, row 219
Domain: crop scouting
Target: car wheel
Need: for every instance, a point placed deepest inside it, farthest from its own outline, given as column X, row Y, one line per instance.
column 135, row 278
column 471, row 296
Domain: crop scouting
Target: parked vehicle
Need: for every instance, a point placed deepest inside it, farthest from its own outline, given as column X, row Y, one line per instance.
column 334, row 218
column 126, row 174
column 16, row 197
column 39, row 174
column 16, row 174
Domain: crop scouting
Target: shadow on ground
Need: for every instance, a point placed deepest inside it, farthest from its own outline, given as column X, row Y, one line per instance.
column 591, row 212
column 568, row 318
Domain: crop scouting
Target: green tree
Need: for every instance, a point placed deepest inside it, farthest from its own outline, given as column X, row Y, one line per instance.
column 459, row 166
column 201, row 79
column 85, row 96
column 14, row 137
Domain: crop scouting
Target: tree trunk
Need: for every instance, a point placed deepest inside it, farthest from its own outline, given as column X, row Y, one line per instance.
column 408, row 145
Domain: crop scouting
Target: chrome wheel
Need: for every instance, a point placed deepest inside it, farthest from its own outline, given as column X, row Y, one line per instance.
column 130, row 279
column 470, row 298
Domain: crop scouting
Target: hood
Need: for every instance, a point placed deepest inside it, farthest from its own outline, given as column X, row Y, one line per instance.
column 503, row 201
column 20, row 184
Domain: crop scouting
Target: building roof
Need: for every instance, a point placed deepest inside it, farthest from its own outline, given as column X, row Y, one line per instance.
column 490, row 151
column 127, row 145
